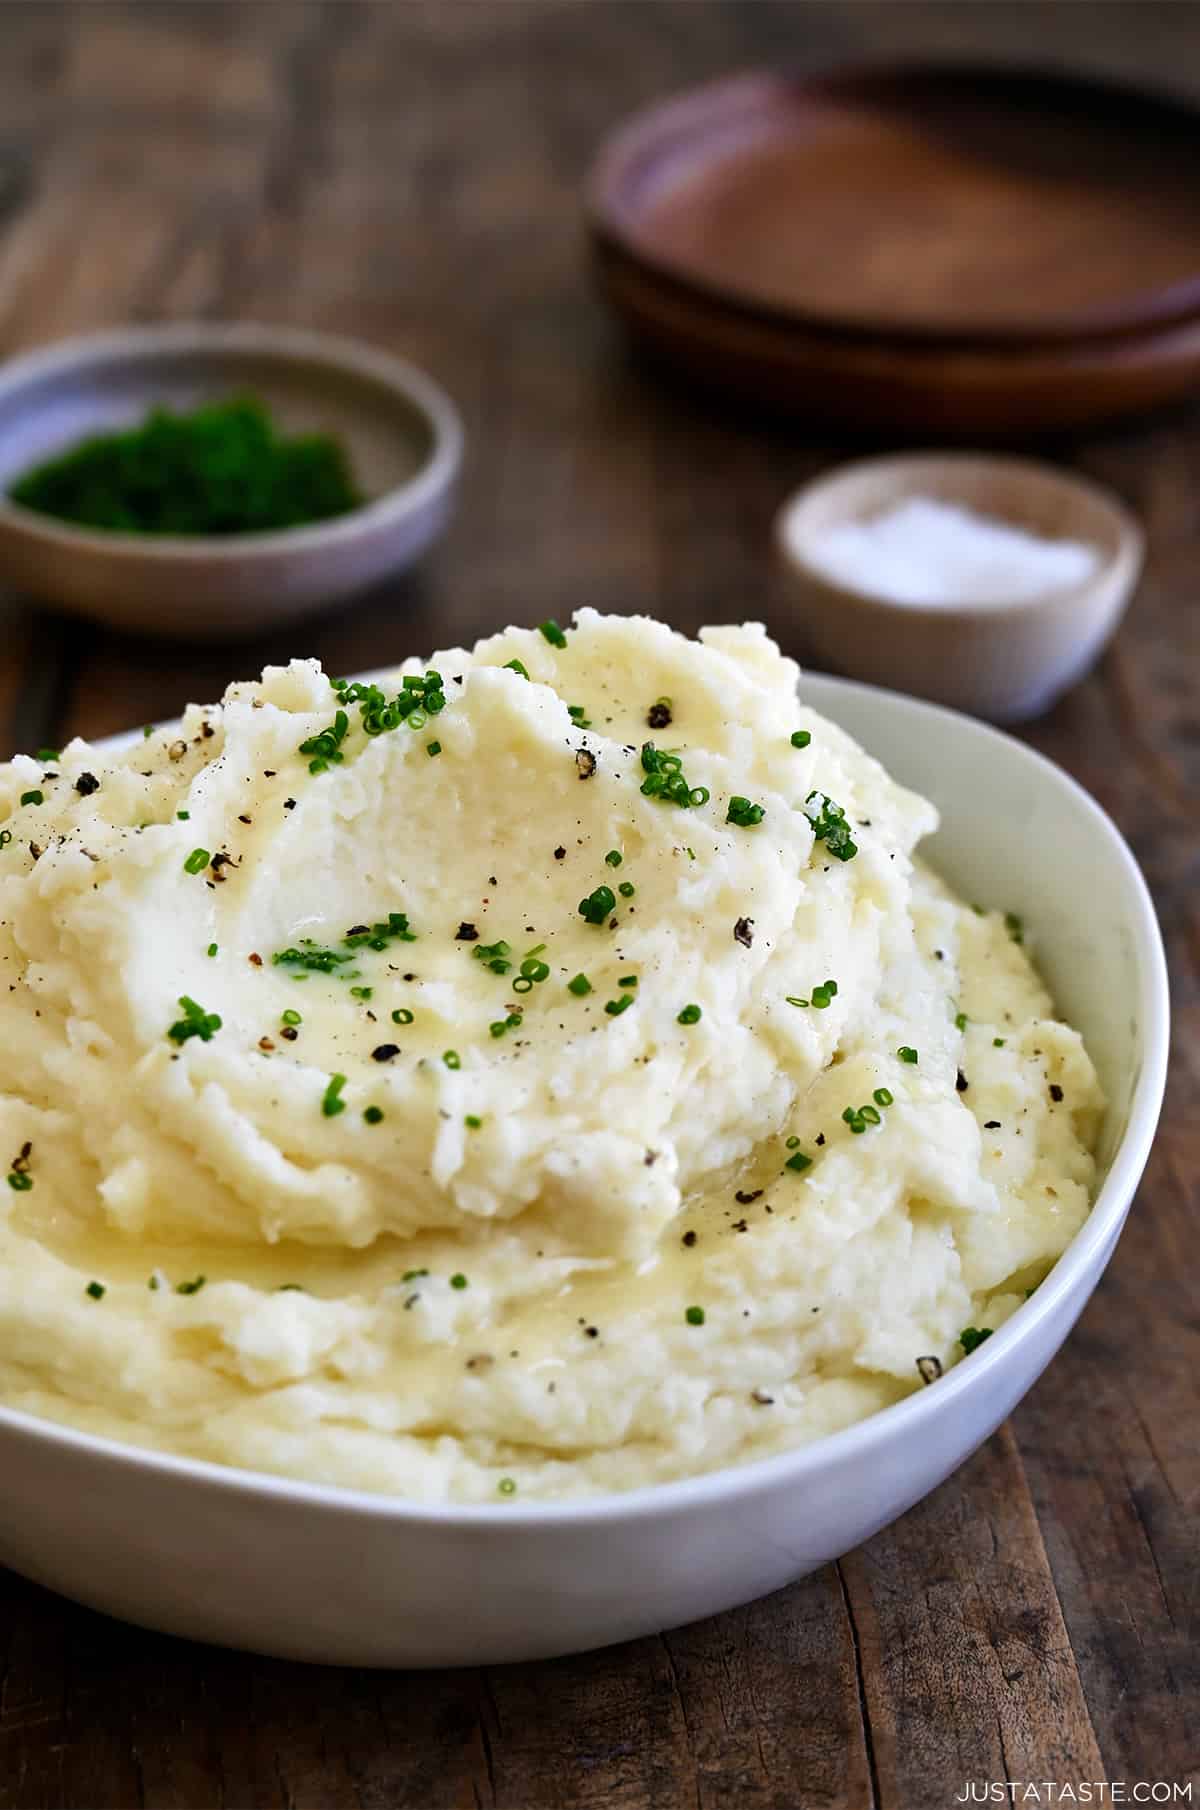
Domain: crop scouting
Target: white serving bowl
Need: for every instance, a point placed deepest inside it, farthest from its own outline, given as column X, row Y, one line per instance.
column 339, row 1577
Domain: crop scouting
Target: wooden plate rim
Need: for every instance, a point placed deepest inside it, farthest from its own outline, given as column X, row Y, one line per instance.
column 610, row 219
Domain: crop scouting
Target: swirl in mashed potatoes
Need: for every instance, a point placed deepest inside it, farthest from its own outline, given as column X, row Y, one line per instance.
column 549, row 1076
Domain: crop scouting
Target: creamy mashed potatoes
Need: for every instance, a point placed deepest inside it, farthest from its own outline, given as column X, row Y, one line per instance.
column 570, row 1084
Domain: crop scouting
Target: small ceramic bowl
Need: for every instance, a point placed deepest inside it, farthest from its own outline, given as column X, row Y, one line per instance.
column 400, row 432
column 1008, row 661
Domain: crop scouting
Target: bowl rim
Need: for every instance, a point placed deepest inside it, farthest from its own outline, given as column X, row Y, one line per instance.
column 854, row 1443
column 1121, row 564
column 127, row 345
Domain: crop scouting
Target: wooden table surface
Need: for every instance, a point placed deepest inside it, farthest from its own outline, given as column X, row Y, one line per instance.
column 411, row 173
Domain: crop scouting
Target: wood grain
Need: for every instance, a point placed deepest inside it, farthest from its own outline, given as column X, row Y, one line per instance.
column 410, row 172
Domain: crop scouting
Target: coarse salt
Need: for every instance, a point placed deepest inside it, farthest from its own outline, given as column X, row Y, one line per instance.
column 935, row 554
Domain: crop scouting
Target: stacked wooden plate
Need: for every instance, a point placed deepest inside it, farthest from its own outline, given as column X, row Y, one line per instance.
column 970, row 251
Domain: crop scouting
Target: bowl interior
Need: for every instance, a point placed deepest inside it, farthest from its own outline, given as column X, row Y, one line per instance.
column 1052, row 504
column 1018, row 834
column 387, row 436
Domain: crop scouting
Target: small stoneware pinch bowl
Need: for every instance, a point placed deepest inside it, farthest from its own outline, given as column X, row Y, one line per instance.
column 400, row 432
column 1003, row 660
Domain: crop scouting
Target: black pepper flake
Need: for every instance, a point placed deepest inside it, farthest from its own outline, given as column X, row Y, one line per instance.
column 383, row 1052
column 290, row 1032
column 243, row 819
column 659, row 715
column 689, row 1239
column 255, row 960
column 207, row 731
column 744, row 1196
column 960, row 1082
column 743, row 932
column 592, row 1332
column 991, row 1124
column 820, row 1137
column 586, row 762
column 268, row 772
column 35, row 851
column 466, row 933
column 1056, row 1092
column 359, row 930
column 741, row 1225
column 86, row 784
column 930, row 1368
column 289, row 804
column 761, row 1397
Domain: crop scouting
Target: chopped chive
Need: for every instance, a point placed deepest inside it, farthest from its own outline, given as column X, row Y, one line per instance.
column 458, row 1280
column 829, row 826
column 191, row 1288
column 1014, row 926
column 183, row 816
column 402, row 1015
column 34, row 797
column 332, row 1103
column 452, row 1059
column 48, row 754
column 212, row 949
column 614, row 1007
column 361, row 992
column 196, row 1022
column 627, row 889
column 373, row 1115
column 628, row 980
column 413, row 1275
column 291, row 1017
column 883, row 1096
column 507, row 1486
column 578, row 715
column 972, row 1337
column 870, row 1114
column 801, row 738
column 147, row 731
column 997, row 1043
column 473, row 1121
column 614, row 857
column 579, row 986
column 597, row 906
column 20, row 1181
column 432, row 748
column 694, row 1316
column 95, row 1290
column 960, row 1021
column 515, row 666
column 743, row 813
column 798, row 1162
column 906, row 1053
column 793, row 999
column 197, row 861
column 689, row 1015
column 553, row 634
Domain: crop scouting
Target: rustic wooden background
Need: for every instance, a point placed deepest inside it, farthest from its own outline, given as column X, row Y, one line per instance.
column 411, row 173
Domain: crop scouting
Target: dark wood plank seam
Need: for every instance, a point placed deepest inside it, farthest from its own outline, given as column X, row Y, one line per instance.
column 679, row 1698
column 860, row 1677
